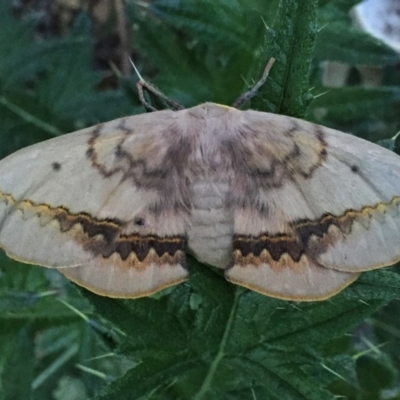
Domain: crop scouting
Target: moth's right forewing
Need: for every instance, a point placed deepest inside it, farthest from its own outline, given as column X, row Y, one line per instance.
column 324, row 206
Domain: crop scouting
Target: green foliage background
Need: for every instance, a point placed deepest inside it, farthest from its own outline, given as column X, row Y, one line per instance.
column 205, row 339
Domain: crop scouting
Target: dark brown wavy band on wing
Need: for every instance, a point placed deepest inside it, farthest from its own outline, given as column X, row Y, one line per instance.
column 299, row 243
column 102, row 236
column 126, row 245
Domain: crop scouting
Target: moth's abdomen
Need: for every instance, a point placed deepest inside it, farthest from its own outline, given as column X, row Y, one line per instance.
column 211, row 226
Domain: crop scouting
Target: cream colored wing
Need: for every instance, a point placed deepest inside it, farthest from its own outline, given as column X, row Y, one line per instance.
column 94, row 203
column 320, row 207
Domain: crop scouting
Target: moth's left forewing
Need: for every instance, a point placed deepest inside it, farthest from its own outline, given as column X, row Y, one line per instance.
column 94, row 204
column 324, row 206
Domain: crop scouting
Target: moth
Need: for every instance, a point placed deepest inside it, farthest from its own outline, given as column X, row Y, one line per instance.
column 285, row 207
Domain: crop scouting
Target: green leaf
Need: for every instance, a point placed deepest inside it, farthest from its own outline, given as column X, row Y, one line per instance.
column 338, row 41
column 373, row 376
column 291, row 42
column 185, row 16
column 359, row 110
column 234, row 337
column 195, row 68
column 340, row 5
column 17, row 366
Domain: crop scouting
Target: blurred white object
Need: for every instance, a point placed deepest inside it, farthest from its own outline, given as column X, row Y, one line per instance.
column 380, row 18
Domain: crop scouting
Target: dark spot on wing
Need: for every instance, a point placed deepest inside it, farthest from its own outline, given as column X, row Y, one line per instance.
column 118, row 151
column 355, row 169
column 56, row 166
column 388, row 29
column 139, row 221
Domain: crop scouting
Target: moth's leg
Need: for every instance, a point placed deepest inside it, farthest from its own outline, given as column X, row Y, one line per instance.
column 253, row 91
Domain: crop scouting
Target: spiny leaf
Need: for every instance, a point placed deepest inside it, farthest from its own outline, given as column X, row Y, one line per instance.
column 15, row 383
column 291, row 42
column 233, row 336
column 339, row 41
